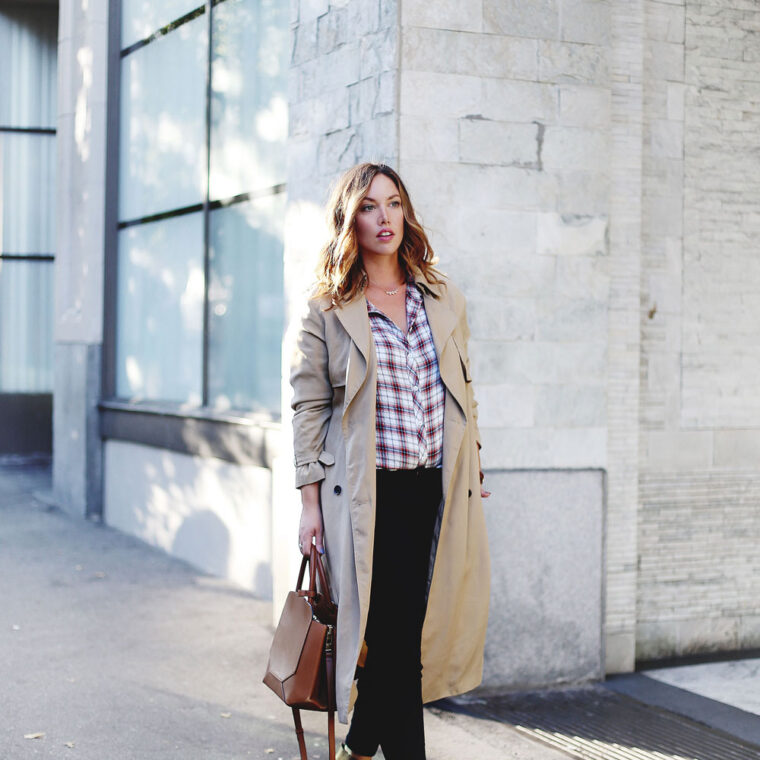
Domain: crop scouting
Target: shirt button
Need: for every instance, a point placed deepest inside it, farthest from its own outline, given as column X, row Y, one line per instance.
column 337, row 490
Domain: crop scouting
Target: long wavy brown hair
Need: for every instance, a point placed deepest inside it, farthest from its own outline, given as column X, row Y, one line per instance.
column 340, row 274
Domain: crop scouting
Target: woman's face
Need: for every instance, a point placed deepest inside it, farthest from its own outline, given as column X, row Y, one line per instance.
column 379, row 221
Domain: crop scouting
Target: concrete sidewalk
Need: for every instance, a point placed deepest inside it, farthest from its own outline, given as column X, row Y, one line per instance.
column 113, row 651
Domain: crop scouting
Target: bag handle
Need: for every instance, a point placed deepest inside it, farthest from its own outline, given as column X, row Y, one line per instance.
column 315, row 568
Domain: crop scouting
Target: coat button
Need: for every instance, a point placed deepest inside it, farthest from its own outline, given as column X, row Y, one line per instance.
column 337, row 490
column 469, row 493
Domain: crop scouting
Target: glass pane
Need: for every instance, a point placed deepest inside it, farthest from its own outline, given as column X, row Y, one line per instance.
column 141, row 18
column 246, row 305
column 159, row 325
column 249, row 114
column 28, row 79
column 162, row 133
column 27, row 193
column 26, row 326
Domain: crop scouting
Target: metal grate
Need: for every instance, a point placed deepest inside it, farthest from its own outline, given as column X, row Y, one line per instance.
column 596, row 724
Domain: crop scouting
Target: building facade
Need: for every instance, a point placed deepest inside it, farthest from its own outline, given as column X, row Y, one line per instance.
column 586, row 171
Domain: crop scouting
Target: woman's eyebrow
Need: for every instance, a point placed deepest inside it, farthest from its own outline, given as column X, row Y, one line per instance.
column 368, row 198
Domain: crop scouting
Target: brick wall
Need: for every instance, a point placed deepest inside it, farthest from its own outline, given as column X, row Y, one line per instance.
column 699, row 573
column 699, row 517
column 623, row 336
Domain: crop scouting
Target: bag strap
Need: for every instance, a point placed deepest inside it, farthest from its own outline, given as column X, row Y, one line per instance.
column 299, row 733
column 330, row 666
column 330, row 662
column 317, row 569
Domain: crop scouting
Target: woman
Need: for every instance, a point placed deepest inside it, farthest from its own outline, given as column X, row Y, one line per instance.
column 387, row 460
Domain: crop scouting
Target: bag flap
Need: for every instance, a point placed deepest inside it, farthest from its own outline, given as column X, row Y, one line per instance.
column 289, row 637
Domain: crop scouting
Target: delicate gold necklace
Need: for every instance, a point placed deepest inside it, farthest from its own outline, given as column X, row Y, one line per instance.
column 389, row 292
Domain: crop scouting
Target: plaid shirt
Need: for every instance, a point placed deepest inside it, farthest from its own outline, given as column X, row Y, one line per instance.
column 410, row 396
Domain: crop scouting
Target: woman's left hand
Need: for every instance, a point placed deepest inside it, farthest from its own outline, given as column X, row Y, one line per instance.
column 483, row 493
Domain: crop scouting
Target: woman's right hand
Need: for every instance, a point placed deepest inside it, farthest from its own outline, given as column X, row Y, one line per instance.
column 311, row 520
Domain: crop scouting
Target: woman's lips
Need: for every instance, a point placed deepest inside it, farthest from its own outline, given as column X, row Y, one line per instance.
column 385, row 235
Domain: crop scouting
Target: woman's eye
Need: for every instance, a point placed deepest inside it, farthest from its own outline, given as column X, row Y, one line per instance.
column 395, row 203
column 367, row 208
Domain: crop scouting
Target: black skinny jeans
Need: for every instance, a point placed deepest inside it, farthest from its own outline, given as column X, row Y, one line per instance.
column 388, row 709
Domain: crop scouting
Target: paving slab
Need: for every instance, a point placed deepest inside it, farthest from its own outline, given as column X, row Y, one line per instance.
column 734, row 682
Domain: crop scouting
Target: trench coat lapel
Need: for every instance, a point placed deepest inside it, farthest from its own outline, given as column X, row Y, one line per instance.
column 355, row 320
column 442, row 320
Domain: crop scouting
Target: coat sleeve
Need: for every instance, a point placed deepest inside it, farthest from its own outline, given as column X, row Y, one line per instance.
column 312, row 397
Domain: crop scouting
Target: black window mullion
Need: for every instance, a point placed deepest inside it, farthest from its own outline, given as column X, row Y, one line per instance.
column 206, row 212
column 164, row 30
column 28, row 256
column 111, row 231
column 264, row 192
column 28, row 130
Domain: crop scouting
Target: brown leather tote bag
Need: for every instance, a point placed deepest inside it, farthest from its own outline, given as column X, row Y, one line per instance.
column 301, row 668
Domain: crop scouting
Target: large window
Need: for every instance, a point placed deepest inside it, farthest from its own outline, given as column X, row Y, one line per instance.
column 202, row 130
column 28, row 40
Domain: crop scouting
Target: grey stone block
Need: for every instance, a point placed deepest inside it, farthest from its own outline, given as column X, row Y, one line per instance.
column 455, row 15
column 488, row 142
column 570, row 405
column 572, row 62
column 749, row 632
column 545, row 534
column 520, row 19
column 619, row 651
column 586, row 21
column 737, row 448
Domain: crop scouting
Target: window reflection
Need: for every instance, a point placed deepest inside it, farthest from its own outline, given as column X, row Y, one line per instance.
column 160, row 317
column 184, row 210
column 246, row 305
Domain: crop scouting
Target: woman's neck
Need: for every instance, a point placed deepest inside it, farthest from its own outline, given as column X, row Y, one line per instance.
column 385, row 271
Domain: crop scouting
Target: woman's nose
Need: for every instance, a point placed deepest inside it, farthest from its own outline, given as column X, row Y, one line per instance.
column 383, row 215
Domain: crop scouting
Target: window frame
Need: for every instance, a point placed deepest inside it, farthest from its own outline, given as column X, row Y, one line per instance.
column 236, row 436
column 37, row 402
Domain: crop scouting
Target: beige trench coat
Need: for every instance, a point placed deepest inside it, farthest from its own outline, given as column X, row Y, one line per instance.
column 334, row 382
